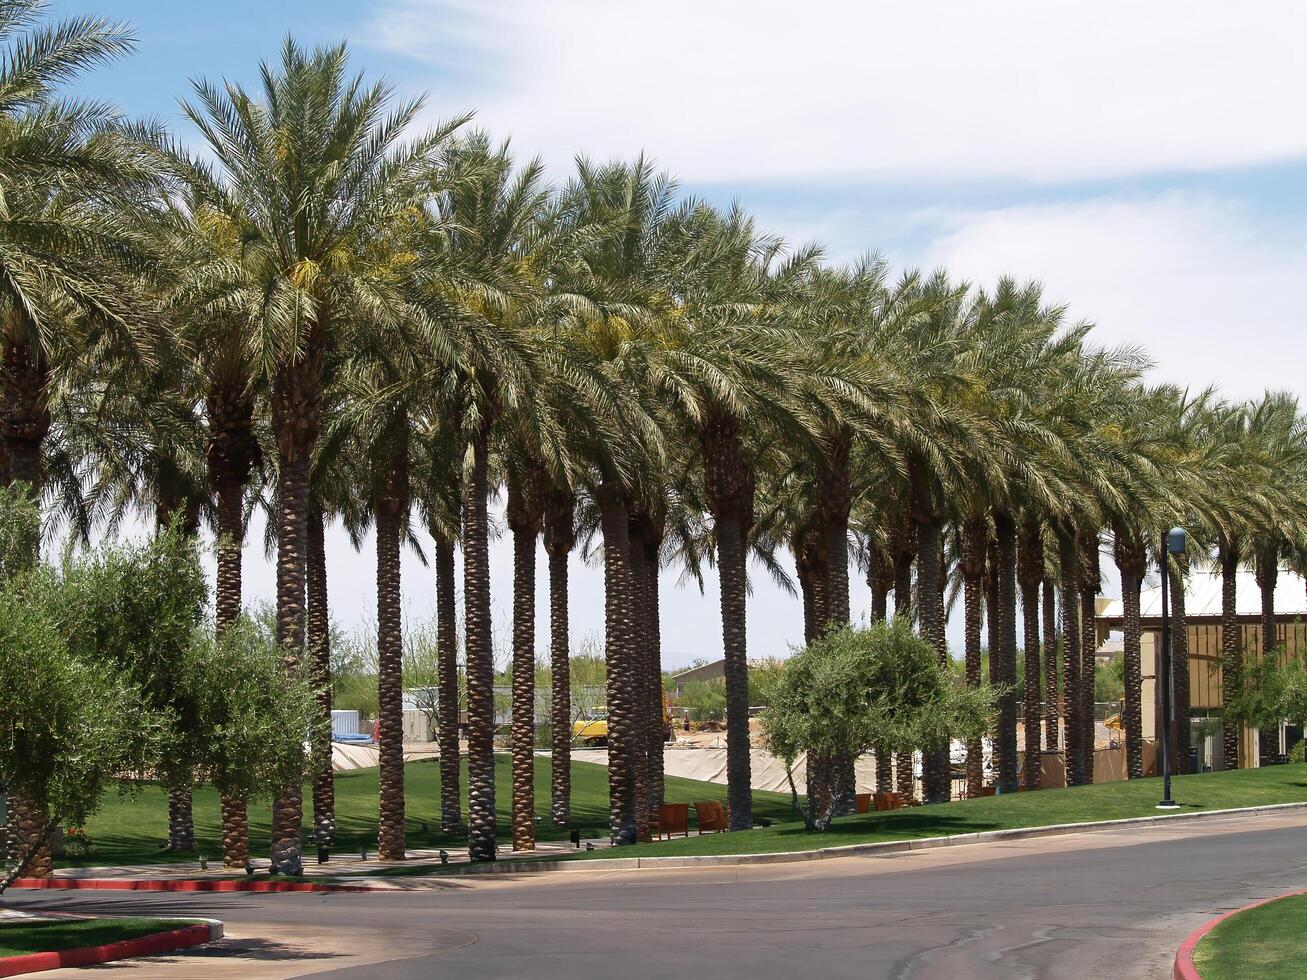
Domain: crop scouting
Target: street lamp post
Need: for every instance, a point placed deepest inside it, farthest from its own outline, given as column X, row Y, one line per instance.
column 1173, row 543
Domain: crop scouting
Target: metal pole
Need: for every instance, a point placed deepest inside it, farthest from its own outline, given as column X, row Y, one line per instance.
column 1164, row 679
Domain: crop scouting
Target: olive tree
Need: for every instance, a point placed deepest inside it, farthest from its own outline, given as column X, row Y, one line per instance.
column 69, row 726
column 856, row 689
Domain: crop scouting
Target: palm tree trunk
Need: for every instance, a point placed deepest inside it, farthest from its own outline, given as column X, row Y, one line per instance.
column 935, row 759
column 1130, row 560
column 1267, row 573
column 30, row 830
column 318, row 625
column 1005, row 743
column 975, row 535
column 560, row 538
column 730, row 486
column 451, row 807
column 1231, row 648
column 639, row 667
column 1052, row 712
column 734, row 587
column 654, row 662
column 1069, row 594
column 292, row 528
column 1180, row 662
column 903, row 559
column 524, row 521
column 235, row 833
column 1031, row 574
column 391, row 843
column 232, row 452
column 1088, row 646
column 884, row 772
column 880, row 583
column 619, row 679
column 181, row 821
column 480, row 657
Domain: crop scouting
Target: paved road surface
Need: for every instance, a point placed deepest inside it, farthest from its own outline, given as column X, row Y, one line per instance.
column 1110, row 904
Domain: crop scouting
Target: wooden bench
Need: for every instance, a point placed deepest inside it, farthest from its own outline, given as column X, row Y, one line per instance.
column 673, row 819
column 711, row 817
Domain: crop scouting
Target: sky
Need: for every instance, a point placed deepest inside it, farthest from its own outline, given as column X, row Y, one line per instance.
column 1146, row 162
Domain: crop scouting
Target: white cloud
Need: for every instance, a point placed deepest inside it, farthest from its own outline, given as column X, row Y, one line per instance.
column 1213, row 293
column 768, row 89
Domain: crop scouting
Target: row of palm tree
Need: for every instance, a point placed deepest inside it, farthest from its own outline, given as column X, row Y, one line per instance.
column 325, row 312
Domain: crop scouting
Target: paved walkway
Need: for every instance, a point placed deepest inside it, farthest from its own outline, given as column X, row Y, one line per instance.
column 1106, row 904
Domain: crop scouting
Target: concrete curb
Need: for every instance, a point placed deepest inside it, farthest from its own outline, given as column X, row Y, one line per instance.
column 847, row 850
column 1184, row 956
column 185, row 885
column 204, row 931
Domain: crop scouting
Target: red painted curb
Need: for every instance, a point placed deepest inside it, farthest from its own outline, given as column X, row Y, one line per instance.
column 1184, row 956
column 159, row 942
column 187, row 885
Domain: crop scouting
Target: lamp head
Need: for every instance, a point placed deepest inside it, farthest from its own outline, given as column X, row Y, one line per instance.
column 1175, row 541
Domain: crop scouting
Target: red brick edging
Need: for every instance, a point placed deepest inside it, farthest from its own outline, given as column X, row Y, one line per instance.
column 187, row 885
column 159, row 942
column 1184, row 956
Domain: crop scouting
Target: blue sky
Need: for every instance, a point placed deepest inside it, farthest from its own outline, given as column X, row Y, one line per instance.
column 1147, row 163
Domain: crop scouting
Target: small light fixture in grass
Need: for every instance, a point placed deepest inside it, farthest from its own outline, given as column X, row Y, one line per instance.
column 444, row 856
column 575, row 838
column 589, row 845
column 324, row 854
column 249, row 869
column 204, row 863
column 363, row 850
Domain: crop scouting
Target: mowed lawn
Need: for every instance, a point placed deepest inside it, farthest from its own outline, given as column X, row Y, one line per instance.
column 130, row 829
column 21, row 936
column 1264, row 943
column 1105, row 801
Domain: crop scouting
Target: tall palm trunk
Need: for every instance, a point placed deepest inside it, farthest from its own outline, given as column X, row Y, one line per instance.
column 652, row 543
column 318, row 625
column 524, row 521
column 1089, row 583
column 296, row 416
column 1052, row 712
column 975, row 537
column 880, row 580
column 1180, row 661
column 1267, row 573
column 1031, row 573
column 904, row 556
column 392, row 510
column 935, row 758
column 1005, row 742
column 480, row 658
column 1231, row 647
column 1130, row 559
column 834, row 501
column 639, row 667
column 619, row 678
column 451, row 807
column 24, row 425
column 730, row 486
column 232, row 453
column 560, row 538
column 1069, row 594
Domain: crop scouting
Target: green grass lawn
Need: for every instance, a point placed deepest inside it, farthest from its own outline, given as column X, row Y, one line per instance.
column 22, row 936
column 129, row 830
column 1264, row 943
column 1105, row 801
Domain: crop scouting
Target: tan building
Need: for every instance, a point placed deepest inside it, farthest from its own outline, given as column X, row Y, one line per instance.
column 1203, row 620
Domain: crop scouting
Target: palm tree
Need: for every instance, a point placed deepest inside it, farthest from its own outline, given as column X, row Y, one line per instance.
column 313, row 171
column 560, row 539
column 525, row 511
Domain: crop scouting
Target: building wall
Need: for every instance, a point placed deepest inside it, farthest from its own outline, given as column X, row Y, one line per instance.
column 1205, row 655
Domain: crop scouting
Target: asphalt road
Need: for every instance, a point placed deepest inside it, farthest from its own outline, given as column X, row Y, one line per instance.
column 1110, row 904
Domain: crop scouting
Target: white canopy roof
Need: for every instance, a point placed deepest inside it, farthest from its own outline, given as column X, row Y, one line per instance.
column 1202, row 596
